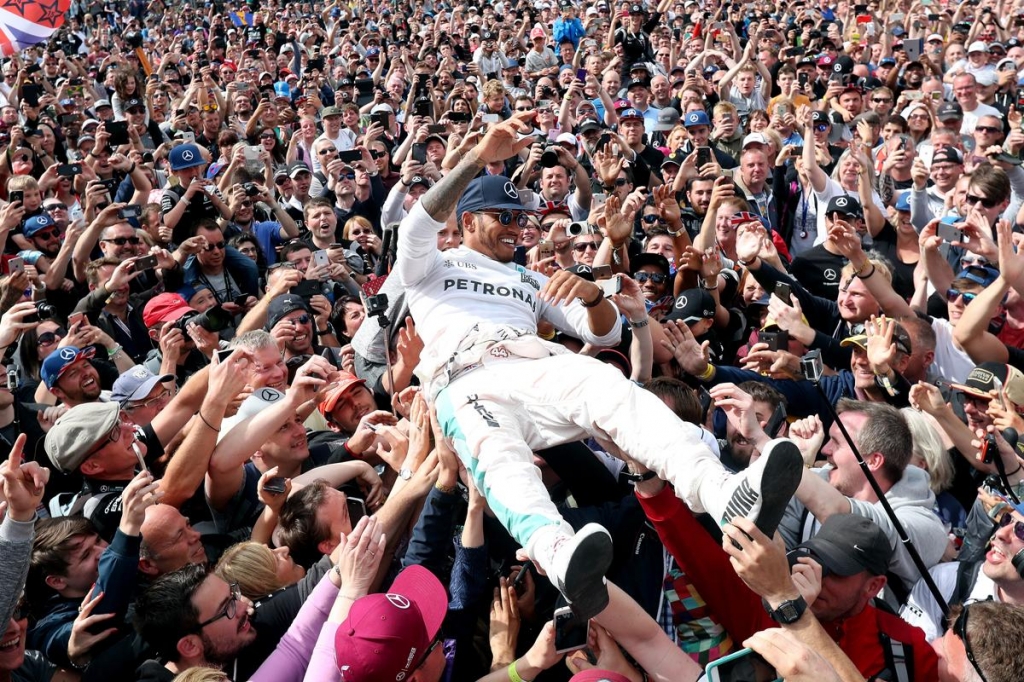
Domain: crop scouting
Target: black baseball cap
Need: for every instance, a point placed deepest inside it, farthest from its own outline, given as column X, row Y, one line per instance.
column 848, row 544
column 692, row 306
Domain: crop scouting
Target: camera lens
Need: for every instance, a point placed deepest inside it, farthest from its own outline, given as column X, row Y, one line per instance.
column 214, row 320
column 549, row 159
column 45, row 310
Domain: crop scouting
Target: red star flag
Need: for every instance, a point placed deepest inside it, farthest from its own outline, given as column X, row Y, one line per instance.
column 24, row 23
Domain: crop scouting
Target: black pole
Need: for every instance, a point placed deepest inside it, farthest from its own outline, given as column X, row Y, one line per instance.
column 900, row 530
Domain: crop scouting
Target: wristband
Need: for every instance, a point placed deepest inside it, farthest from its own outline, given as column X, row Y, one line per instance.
column 707, row 373
column 747, row 263
column 639, row 324
column 132, row 169
column 513, row 674
column 704, row 285
column 446, row 489
column 595, row 303
column 114, row 351
column 871, row 272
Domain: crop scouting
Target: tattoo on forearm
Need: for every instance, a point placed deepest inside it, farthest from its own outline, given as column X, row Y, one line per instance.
column 440, row 200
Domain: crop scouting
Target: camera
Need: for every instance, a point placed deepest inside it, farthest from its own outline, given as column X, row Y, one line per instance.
column 376, row 305
column 215, row 319
column 44, row 311
column 549, row 159
column 812, row 366
column 250, row 189
column 577, row 228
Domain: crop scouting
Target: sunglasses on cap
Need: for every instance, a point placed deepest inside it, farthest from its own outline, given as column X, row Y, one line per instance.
column 656, row 277
column 506, row 217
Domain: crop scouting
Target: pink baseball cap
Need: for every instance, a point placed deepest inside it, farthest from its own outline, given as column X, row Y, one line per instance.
column 387, row 636
column 598, row 675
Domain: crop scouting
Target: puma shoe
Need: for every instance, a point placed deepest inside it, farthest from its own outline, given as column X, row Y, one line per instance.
column 762, row 492
column 580, row 563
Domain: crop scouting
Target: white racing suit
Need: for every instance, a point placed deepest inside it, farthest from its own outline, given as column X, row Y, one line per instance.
column 501, row 392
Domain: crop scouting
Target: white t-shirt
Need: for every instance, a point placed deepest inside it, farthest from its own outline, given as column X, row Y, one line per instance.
column 834, row 189
column 971, row 117
column 921, row 609
column 951, row 363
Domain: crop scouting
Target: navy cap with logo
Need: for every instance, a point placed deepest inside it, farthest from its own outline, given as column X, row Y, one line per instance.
column 696, row 118
column 655, row 259
column 491, row 192
column 185, row 156
column 631, row 114
column 637, row 83
column 636, row 9
column 298, row 168
column 281, row 306
column 845, row 205
column 947, row 155
column 37, row 223
column 848, row 544
column 692, row 306
column 949, row 111
column 135, row 384
column 58, row 362
column 590, row 125
column 821, row 117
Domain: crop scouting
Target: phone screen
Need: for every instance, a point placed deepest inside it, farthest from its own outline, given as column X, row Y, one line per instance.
column 742, row 666
column 570, row 632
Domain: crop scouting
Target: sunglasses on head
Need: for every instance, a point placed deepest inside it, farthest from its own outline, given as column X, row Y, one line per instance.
column 656, row 277
column 121, row 241
column 506, row 217
column 972, row 199
column 960, row 630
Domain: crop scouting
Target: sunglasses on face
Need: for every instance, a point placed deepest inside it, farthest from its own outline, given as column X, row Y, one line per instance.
column 992, row 130
column 268, row 136
column 350, row 175
column 656, row 277
column 219, row 246
column 880, row 100
column 583, row 246
column 821, row 127
column 506, row 217
column 953, row 294
column 620, row 182
column 49, row 338
column 121, row 241
column 1018, row 526
column 46, row 234
column 972, row 199
column 651, row 218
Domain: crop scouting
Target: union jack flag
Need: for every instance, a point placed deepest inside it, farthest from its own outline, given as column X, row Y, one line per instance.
column 24, row 23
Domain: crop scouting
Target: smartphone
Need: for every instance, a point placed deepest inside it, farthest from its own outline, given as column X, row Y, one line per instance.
column 16, row 266
column 419, row 152
column 546, row 249
column 797, row 51
column 610, row 287
column 520, row 580
column 705, row 403
column 356, row 509
column 775, row 341
column 743, row 665
column 223, row 354
column 949, row 232
column 437, row 129
column 118, row 131
column 601, row 272
column 276, row 485
column 320, row 258
column 16, row 195
column 519, row 256
column 785, row 292
column 489, row 118
column 570, row 633
column 251, row 153
column 423, row 108
column 802, row 78
column 776, row 421
column 75, row 319
column 188, row 136
column 703, row 156
column 350, row 155
column 597, row 200
column 782, row 110
column 138, row 455
column 68, row 170
column 381, row 118
column 581, row 75
column 144, row 263
column 31, row 93
column 130, row 211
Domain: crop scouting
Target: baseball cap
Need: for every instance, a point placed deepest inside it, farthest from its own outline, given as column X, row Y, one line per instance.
column 977, row 46
column 330, row 111
column 668, row 118
column 101, row 103
column 133, row 102
column 994, row 376
column 677, row 157
column 935, row 36
column 979, row 274
column 185, row 156
column 949, row 111
column 165, row 307
column 622, row 104
column 494, row 192
column 899, row 336
column 903, row 203
column 58, row 362
column 755, row 138
column 947, row 155
column 346, row 383
column 386, row 636
column 136, row 383
column 845, row 205
column 589, row 125
column 631, row 114
column 298, row 167
column 820, row 117
column 283, row 305
column 692, row 306
column 538, row 32
column 847, row 544
column 696, row 118
column 37, row 223
column 258, row 400
column 655, row 259
column 563, row 138
column 637, row 83
column 887, row 61
column 76, row 433
column 636, row 8
column 825, row 60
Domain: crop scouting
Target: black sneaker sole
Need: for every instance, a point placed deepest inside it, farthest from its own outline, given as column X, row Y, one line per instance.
column 779, row 481
column 584, row 587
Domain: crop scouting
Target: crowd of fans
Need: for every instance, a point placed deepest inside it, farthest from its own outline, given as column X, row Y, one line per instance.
column 218, row 462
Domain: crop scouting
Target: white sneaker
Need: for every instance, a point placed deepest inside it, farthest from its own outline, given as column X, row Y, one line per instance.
column 762, row 492
column 579, row 565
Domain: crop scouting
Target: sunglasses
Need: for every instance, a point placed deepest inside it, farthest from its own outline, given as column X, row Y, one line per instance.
column 880, row 100
column 972, row 199
column 651, row 218
column 268, row 136
column 656, row 277
column 46, row 234
column 953, row 294
column 277, row 266
column 506, row 217
column 121, row 241
column 960, row 630
column 352, row 176
column 50, row 338
column 1018, row 526
column 209, row 107
column 220, row 246
column 992, row 130
column 821, row 127
column 620, row 182
column 583, row 246
column 301, row 319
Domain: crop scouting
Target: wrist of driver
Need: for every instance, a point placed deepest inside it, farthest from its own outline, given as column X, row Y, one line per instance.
column 782, row 595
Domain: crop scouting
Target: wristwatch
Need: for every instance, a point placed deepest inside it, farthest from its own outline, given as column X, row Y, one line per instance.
column 788, row 612
column 405, row 473
column 628, row 475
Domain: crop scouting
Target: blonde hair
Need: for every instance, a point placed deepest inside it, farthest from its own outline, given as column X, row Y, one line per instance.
column 352, row 222
column 928, row 446
column 201, row 674
column 876, row 259
column 252, row 565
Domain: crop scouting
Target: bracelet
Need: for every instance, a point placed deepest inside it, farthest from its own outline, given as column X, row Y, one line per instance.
column 705, row 287
column 550, row 336
column 747, row 263
column 513, row 674
column 114, row 351
column 1019, row 467
column 132, row 169
column 860, row 276
column 593, row 304
column 640, row 324
column 446, row 489
column 707, row 373
column 212, row 427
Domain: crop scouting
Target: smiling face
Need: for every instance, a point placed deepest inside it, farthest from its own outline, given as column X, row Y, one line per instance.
column 302, row 323
column 351, row 407
column 225, row 637
column 79, row 383
column 485, row 234
column 171, row 541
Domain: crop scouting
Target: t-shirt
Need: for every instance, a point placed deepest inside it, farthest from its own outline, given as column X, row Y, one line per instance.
column 818, row 271
column 902, row 273
column 834, row 189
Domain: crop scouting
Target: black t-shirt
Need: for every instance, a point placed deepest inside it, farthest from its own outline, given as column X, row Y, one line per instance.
column 902, row 273
column 818, row 270
column 199, row 207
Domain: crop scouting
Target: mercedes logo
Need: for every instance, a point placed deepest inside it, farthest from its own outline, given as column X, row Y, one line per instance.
column 398, row 601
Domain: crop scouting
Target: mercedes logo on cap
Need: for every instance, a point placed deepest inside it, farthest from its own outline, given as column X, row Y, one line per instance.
column 141, row 373
column 680, row 303
column 398, row 600
column 841, row 202
column 269, row 395
column 511, row 191
column 837, row 67
column 68, row 353
column 187, row 155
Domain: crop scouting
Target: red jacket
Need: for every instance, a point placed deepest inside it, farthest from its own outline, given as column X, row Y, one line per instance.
column 739, row 609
